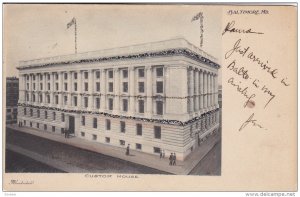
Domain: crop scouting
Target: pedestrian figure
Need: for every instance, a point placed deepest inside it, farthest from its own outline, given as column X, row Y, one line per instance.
column 160, row 154
column 66, row 133
column 163, row 153
column 171, row 159
column 174, row 159
column 127, row 150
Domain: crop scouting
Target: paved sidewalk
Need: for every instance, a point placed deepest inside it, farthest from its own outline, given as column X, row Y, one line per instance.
column 153, row 161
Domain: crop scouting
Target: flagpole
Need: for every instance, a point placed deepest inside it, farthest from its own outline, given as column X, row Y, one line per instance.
column 75, row 36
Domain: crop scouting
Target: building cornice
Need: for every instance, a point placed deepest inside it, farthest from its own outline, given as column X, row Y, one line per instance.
column 163, row 53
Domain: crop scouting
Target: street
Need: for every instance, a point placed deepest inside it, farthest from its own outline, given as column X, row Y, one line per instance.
column 88, row 160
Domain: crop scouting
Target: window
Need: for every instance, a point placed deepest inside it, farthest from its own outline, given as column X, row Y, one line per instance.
column 65, row 100
column 24, row 122
column 33, row 97
column 41, row 98
column 48, row 76
column 125, row 105
column 46, row 114
column 110, row 87
column 30, row 124
column 122, row 142
column 41, row 86
column 141, row 72
column 159, row 87
column 27, row 86
column 107, row 139
column 33, row 86
column 56, row 99
column 41, row 77
column 107, row 124
column 125, row 87
column 94, row 137
column 86, row 75
column 38, row 125
column 38, row 113
column 33, row 77
column 125, row 73
column 98, row 86
column 110, row 104
column 157, row 132
column 139, row 129
column 141, row 87
column 82, row 134
column 86, row 102
column 75, row 86
column 56, row 76
column 159, row 72
column 53, row 128
column 75, row 75
column 56, row 86
column 48, row 98
column 27, row 97
column 31, row 112
column 159, row 108
column 62, row 130
column 98, row 103
column 86, row 86
column 66, row 76
column 156, row 150
column 110, row 74
column 8, row 110
column 95, row 123
column 54, row 116
column 45, row 127
column 75, row 101
column 82, row 120
column 122, row 124
column 97, row 74
column 63, row 117
column 138, row 146
column 66, row 86
column 48, row 86
column 141, row 106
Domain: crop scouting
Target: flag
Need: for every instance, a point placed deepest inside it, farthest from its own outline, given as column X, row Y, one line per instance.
column 196, row 17
column 73, row 21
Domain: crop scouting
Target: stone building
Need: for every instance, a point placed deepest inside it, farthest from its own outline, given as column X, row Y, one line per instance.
column 154, row 96
column 12, row 96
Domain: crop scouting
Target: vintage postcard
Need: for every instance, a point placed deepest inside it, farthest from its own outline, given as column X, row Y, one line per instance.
column 185, row 97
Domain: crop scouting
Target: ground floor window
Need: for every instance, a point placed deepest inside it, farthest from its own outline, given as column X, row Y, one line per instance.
column 24, row 122
column 138, row 146
column 107, row 140
column 45, row 127
column 62, row 130
column 38, row 125
column 156, row 150
column 122, row 142
column 30, row 124
column 94, row 137
column 53, row 128
column 82, row 134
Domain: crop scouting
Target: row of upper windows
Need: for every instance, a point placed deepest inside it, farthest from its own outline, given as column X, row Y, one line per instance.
column 124, row 105
column 139, row 127
column 141, row 73
column 141, row 87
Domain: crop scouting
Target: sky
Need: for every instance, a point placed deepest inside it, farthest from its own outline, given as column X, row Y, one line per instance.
column 37, row 31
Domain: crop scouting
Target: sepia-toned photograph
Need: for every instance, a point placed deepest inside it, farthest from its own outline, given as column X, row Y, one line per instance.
column 150, row 97
column 113, row 89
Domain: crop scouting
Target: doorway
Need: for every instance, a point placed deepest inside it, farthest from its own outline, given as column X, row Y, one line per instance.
column 71, row 124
